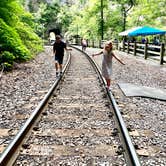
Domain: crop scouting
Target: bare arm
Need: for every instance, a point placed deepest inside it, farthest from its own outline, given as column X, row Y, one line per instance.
column 97, row 53
column 118, row 59
column 54, row 50
column 68, row 49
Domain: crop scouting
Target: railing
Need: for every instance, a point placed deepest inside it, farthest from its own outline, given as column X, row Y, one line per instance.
column 146, row 50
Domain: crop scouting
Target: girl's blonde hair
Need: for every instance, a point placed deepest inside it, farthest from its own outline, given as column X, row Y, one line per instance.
column 107, row 45
column 109, row 42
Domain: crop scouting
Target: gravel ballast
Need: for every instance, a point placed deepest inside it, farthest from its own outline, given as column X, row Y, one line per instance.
column 25, row 86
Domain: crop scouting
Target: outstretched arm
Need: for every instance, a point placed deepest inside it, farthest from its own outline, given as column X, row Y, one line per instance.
column 97, row 53
column 118, row 59
column 68, row 49
column 53, row 49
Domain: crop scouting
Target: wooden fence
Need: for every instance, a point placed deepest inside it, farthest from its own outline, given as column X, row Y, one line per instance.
column 146, row 50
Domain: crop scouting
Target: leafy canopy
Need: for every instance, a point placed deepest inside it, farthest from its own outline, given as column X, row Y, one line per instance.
column 17, row 37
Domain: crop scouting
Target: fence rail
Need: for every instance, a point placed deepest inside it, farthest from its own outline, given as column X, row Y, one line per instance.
column 146, row 50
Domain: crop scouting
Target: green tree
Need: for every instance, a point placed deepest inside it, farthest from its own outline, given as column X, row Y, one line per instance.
column 50, row 16
column 16, row 32
column 83, row 17
column 150, row 13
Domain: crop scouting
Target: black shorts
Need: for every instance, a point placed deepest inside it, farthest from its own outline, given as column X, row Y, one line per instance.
column 59, row 59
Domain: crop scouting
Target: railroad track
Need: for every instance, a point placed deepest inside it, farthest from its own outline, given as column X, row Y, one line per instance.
column 77, row 123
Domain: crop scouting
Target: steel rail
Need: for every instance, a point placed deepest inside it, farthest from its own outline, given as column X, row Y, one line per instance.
column 131, row 156
column 5, row 158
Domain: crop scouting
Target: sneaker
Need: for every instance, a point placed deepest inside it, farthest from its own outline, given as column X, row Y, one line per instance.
column 57, row 74
column 109, row 88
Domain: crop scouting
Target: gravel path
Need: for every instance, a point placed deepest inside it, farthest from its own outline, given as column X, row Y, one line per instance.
column 22, row 88
column 145, row 117
column 75, row 131
column 28, row 83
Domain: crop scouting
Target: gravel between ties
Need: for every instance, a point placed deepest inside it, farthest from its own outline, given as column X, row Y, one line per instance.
column 24, row 87
column 141, row 114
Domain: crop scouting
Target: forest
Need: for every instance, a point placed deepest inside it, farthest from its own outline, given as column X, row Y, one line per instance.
column 24, row 24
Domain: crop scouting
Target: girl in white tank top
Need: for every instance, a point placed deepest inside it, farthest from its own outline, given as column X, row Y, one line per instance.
column 107, row 62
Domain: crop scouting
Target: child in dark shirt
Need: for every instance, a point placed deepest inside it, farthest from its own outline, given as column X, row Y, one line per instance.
column 58, row 50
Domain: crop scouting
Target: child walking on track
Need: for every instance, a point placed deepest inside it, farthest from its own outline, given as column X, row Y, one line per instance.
column 107, row 62
column 58, row 51
column 84, row 44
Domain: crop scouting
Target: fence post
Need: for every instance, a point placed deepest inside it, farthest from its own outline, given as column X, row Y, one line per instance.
column 162, row 54
column 87, row 43
column 135, row 48
column 93, row 45
column 123, row 46
column 146, row 51
column 117, row 45
column 128, row 44
column 99, row 43
column 90, row 43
